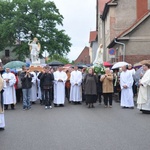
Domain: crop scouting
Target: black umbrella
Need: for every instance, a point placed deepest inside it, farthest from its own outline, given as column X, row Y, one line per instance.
column 81, row 66
column 56, row 63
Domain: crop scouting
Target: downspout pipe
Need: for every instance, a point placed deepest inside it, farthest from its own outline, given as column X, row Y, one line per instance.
column 124, row 47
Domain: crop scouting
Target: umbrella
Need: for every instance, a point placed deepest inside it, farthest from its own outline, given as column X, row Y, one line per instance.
column 119, row 64
column 14, row 64
column 80, row 66
column 140, row 72
column 107, row 64
column 56, row 63
column 141, row 63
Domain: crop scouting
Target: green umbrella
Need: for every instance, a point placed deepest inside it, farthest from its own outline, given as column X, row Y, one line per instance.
column 14, row 64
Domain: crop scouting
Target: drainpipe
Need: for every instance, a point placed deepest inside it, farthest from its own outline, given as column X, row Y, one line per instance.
column 124, row 47
column 103, row 40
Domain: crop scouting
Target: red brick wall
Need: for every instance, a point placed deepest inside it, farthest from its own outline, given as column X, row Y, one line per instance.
column 84, row 57
column 142, row 8
column 132, row 59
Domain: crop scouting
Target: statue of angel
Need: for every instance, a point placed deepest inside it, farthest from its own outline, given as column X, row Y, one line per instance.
column 34, row 47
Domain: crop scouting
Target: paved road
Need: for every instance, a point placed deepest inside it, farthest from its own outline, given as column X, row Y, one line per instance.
column 76, row 127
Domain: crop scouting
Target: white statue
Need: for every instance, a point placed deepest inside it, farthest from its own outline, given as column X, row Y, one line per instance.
column 99, row 56
column 34, row 50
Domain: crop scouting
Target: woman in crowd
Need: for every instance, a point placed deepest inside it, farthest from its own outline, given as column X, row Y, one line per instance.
column 90, row 88
column 107, row 84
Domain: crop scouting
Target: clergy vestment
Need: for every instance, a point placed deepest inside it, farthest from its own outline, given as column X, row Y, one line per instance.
column 59, row 87
column 2, row 120
column 143, row 99
column 33, row 96
column 9, row 94
column 76, row 91
column 126, row 93
column 39, row 88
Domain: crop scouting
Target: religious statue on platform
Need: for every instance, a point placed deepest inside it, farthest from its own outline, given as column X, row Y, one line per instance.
column 99, row 56
column 34, row 51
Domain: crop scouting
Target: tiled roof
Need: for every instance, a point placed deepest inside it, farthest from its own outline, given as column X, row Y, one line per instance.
column 93, row 36
column 101, row 5
column 82, row 54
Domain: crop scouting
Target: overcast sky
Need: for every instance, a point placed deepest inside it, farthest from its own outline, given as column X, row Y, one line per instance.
column 79, row 20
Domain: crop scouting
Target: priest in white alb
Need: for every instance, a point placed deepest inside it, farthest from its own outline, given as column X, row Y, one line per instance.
column 9, row 89
column 33, row 96
column 76, row 90
column 143, row 99
column 60, row 78
column 2, row 119
column 126, row 82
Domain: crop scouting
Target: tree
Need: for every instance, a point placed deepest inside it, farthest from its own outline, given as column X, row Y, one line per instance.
column 39, row 16
column 57, row 57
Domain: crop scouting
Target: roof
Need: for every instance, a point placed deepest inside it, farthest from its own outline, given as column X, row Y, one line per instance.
column 101, row 5
column 130, row 29
column 93, row 36
column 85, row 49
column 106, row 8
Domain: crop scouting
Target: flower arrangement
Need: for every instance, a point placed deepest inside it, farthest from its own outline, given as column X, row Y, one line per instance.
column 98, row 69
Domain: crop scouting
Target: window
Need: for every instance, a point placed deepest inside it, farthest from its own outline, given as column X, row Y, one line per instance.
column 7, row 53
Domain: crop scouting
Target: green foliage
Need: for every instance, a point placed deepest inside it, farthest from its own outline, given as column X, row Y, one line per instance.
column 57, row 57
column 39, row 16
column 99, row 69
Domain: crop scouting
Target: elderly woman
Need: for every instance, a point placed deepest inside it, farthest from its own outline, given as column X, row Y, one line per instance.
column 107, row 84
column 90, row 88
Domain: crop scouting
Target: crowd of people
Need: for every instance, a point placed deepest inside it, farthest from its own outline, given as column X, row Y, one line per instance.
column 54, row 86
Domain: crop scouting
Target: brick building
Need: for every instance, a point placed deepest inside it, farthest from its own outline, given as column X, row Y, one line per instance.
column 124, row 27
column 84, row 57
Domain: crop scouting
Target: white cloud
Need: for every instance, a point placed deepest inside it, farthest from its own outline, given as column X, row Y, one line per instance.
column 79, row 20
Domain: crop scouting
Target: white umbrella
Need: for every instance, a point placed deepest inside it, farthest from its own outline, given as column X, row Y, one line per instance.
column 119, row 64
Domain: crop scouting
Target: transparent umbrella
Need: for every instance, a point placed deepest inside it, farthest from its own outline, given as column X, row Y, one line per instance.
column 14, row 64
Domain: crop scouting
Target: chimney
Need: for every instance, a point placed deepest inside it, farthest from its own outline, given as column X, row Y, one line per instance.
column 141, row 7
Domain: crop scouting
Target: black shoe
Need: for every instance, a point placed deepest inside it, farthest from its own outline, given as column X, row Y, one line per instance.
column 124, row 107
column 33, row 103
column 6, row 107
column 55, row 105
column 93, row 106
column 2, row 129
column 131, row 107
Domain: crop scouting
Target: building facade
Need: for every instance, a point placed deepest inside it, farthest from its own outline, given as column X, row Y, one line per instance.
column 123, row 27
column 84, row 57
column 93, row 42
